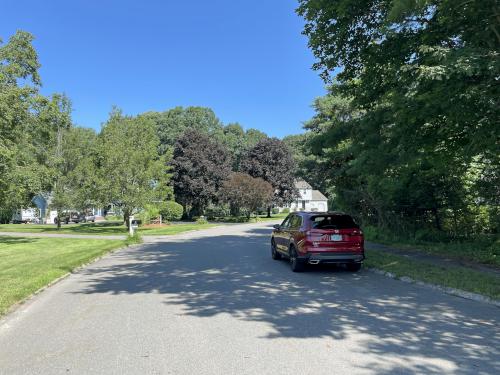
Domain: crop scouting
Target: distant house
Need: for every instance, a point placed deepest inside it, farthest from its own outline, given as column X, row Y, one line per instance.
column 309, row 199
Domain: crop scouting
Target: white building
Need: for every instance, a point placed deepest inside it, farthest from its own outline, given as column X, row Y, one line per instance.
column 309, row 200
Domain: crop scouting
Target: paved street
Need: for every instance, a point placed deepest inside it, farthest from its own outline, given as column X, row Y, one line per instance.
column 214, row 302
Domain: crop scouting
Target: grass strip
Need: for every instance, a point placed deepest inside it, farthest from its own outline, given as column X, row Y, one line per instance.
column 104, row 228
column 28, row 264
column 453, row 276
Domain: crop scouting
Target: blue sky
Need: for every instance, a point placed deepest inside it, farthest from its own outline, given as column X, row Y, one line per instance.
column 245, row 59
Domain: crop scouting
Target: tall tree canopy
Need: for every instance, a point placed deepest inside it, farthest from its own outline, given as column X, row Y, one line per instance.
column 173, row 123
column 271, row 160
column 133, row 173
column 411, row 122
column 200, row 167
column 29, row 124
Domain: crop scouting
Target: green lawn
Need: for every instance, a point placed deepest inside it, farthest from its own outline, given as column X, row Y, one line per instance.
column 173, row 229
column 253, row 219
column 455, row 277
column 485, row 250
column 27, row 264
column 102, row 228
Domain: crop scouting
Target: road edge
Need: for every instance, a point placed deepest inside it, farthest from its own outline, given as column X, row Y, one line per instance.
column 448, row 290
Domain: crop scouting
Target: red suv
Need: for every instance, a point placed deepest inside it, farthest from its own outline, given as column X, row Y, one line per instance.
column 318, row 237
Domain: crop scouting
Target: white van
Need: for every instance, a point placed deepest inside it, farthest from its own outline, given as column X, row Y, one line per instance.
column 24, row 216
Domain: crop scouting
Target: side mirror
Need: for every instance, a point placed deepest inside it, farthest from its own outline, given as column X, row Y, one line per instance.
column 277, row 226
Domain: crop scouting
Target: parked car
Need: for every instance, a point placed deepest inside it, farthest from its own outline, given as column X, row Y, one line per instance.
column 315, row 237
column 89, row 218
column 71, row 217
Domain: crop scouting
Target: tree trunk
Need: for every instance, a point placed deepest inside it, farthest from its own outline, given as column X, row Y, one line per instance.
column 58, row 218
column 437, row 219
column 269, row 211
column 126, row 217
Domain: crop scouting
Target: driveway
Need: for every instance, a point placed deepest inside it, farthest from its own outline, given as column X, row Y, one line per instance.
column 214, row 302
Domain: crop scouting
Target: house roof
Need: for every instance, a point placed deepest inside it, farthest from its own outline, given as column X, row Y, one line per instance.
column 301, row 184
column 318, row 196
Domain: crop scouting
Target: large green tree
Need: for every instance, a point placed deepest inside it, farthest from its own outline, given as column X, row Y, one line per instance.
column 29, row 125
column 173, row 123
column 419, row 141
column 77, row 182
column 132, row 172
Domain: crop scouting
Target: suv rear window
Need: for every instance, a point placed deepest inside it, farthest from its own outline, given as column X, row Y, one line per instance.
column 333, row 222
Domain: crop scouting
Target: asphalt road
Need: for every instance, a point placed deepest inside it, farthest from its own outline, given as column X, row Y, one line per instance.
column 214, row 302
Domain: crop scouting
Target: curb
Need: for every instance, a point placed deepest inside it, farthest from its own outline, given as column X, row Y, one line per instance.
column 451, row 291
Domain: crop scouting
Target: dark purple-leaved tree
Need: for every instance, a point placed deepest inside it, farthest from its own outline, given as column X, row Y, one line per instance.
column 200, row 168
column 271, row 160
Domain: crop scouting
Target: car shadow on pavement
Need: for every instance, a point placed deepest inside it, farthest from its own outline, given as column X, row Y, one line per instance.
column 403, row 326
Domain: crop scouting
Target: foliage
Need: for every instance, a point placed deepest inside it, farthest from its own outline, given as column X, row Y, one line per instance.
column 149, row 212
column 173, row 123
column 76, row 178
column 171, row 211
column 201, row 220
column 28, row 124
column 408, row 136
column 132, row 172
column 271, row 160
column 286, row 210
column 246, row 193
column 200, row 167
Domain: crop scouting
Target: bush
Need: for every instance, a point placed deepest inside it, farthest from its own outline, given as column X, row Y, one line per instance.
column 150, row 211
column 214, row 213
column 275, row 211
column 286, row 211
column 201, row 220
column 171, row 211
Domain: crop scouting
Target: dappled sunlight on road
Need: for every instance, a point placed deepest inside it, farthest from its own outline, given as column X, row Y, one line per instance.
column 402, row 326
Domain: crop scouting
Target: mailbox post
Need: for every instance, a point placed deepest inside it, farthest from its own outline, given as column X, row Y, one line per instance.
column 132, row 225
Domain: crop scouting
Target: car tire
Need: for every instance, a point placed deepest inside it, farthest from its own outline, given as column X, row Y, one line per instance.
column 274, row 252
column 295, row 264
column 353, row 267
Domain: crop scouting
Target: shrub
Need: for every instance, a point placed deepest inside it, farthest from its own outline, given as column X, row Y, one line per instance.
column 214, row 213
column 201, row 220
column 275, row 211
column 286, row 210
column 150, row 211
column 171, row 211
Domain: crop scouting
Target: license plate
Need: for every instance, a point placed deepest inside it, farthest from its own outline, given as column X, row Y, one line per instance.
column 336, row 237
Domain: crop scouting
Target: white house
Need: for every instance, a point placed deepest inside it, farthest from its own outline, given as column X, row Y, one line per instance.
column 309, row 200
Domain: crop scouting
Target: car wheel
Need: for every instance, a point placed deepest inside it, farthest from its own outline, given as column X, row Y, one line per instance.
column 353, row 267
column 295, row 264
column 274, row 252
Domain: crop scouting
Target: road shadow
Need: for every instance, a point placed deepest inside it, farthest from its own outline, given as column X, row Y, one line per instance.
column 425, row 331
